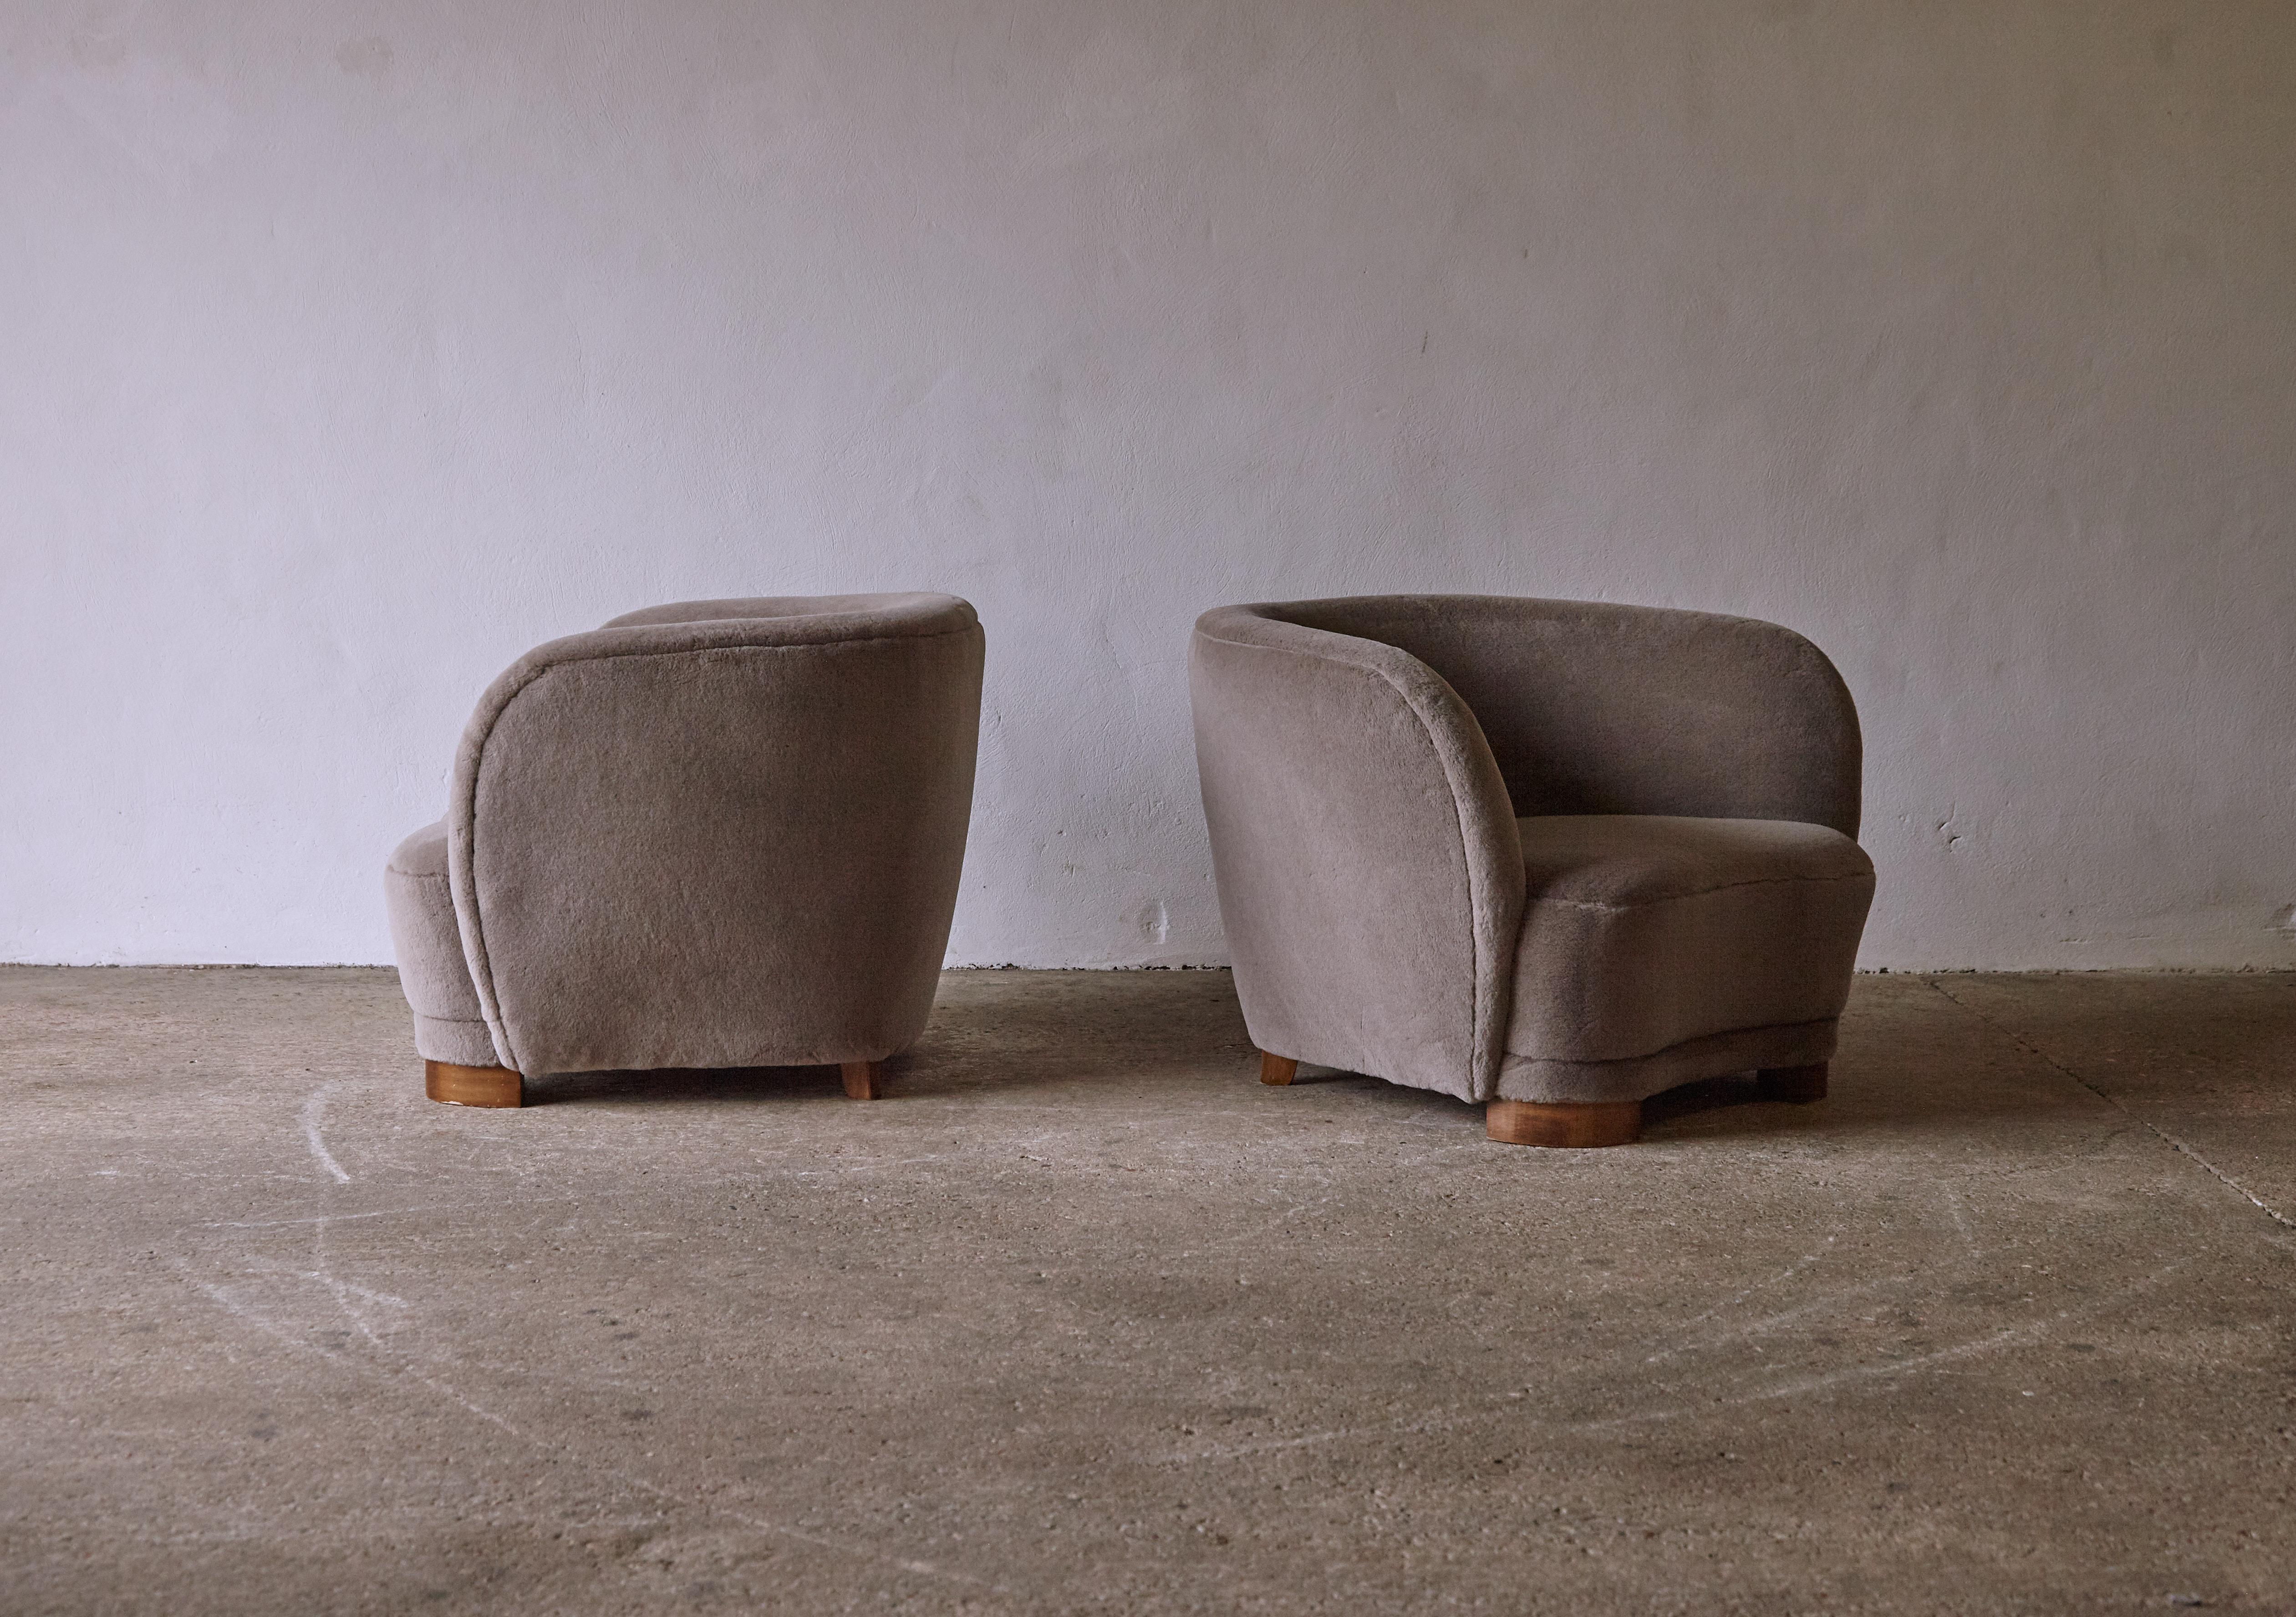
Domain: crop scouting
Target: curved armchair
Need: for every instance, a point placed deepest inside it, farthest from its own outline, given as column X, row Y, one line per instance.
column 1551, row 856
column 710, row 834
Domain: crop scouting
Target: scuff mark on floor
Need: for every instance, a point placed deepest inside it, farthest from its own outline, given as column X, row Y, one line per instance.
column 314, row 1112
column 1992, row 1342
column 2159, row 1133
column 341, row 1292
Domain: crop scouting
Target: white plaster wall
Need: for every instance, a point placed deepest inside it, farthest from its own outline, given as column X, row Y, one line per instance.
column 346, row 350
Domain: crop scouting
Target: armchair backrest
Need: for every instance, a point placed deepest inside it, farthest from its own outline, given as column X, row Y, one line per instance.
column 1591, row 707
column 719, row 834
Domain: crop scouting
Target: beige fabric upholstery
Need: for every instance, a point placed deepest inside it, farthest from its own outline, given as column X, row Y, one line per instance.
column 1364, row 764
column 448, row 1025
column 1646, row 936
column 715, row 833
column 1369, row 869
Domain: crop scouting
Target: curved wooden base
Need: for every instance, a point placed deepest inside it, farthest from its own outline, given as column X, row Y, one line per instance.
column 864, row 1079
column 1277, row 1069
column 443, row 1080
column 1799, row 1084
column 1541, row 1123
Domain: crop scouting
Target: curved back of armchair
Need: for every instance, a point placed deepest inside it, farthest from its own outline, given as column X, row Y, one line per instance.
column 718, row 833
column 1592, row 708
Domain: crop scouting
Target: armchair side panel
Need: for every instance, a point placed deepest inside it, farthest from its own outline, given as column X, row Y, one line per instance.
column 674, row 845
column 1369, row 871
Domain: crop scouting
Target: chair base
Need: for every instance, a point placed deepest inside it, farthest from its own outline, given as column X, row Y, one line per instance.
column 1800, row 1085
column 1556, row 1123
column 864, row 1079
column 459, row 1086
column 1277, row 1069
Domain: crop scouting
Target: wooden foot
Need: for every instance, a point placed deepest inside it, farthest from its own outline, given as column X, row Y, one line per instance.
column 1792, row 1083
column 1277, row 1069
column 862, row 1079
column 1542, row 1123
column 443, row 1080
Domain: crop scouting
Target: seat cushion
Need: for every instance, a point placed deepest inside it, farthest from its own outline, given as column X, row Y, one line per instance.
column 448, row 1025
column 1666, row 947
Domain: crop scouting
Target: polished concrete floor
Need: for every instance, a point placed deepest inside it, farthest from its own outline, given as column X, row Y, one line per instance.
column 1083, row 1318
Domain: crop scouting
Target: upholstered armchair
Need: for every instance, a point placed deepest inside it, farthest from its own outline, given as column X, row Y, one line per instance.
column 1553, row 857
column 717, row 833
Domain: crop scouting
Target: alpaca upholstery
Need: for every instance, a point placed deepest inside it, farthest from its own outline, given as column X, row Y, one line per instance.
column 709, row 835
column 449, row 1022
column 1538, row 850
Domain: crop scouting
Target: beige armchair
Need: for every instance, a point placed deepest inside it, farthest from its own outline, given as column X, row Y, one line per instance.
column 1552, row 857
column 712, row 834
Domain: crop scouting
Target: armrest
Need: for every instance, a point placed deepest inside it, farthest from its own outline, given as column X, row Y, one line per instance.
column 1370, row 873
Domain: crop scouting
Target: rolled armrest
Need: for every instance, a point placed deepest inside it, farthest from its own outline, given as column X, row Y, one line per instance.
column 1369, row 869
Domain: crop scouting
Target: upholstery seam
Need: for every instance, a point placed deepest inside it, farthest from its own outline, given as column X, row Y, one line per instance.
column 1696, row 1039
column 1701, row 892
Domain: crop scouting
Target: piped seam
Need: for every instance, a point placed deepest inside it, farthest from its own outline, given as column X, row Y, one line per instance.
column 1696, row 1039
column 1699, row 892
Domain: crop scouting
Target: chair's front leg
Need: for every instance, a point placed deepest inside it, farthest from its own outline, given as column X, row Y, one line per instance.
column 862, row 1078
column 1277, row 1069
column 459, row 1086
column 1556, row 1123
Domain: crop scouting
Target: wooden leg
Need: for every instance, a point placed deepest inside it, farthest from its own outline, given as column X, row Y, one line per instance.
column 443, row 1080
column 1792, row 1083
column 1542, row 1123
column 862, row 1078
column 1277, row 1069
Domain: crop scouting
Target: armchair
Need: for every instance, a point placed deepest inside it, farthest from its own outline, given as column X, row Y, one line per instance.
column 709, row 834
column 1551, row 857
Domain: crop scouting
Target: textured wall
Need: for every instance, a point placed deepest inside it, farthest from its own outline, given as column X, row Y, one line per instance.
column 348, row 349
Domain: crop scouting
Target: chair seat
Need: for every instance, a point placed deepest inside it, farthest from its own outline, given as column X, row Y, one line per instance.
column 1660, row 948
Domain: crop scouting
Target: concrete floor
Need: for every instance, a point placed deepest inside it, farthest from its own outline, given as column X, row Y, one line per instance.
column 1083, row 1318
